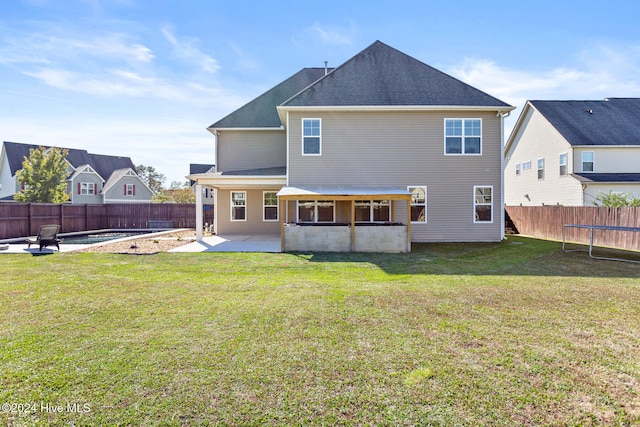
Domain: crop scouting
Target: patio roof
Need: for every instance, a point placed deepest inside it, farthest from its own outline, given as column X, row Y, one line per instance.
column 343, row 193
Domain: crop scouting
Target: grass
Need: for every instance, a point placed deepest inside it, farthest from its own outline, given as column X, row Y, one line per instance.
column 504, row 334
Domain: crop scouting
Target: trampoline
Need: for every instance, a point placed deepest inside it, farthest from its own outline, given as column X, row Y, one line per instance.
column 596, row 227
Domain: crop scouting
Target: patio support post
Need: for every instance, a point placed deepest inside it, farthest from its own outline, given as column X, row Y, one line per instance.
column 353, row 225
column 199, row 214
column 284, row 217
column 408, row 225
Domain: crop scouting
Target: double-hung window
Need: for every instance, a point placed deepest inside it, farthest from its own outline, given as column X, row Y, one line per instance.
column 316, row 211
column 129, row 190
column 563, row 164
column 463, row 136
column 270, row 211
column 372, row 210
column 588, row 161
column 540, row 168
column 87, row 188
column 526, row 165
column 517, row 169
column 483, row 204
column 418, row 203
column 238, row 206
column 311, row 137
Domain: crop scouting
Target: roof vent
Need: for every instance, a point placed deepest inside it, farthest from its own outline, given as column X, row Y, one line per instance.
column 326, row 69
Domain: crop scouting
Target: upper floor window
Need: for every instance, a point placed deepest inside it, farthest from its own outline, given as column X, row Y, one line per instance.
column 540, row 168
column 311, row 137
column 316, row 211
column 418, row 203
column 587, row 161
column 483, row 204
column 463, row 136
column 270, row 211
column 526, row 165
column 563, row 164
column 238, row 206
column 129, row 190
column 517, row 169
column 372, row 210
column 87, row 188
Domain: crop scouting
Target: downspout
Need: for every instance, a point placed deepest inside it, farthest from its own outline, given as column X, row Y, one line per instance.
column 503, row 115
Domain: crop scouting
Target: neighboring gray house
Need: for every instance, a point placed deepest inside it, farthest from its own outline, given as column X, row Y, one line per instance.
column 208, row 196
column 569, row 152
column 379, row 152
column 93, row 178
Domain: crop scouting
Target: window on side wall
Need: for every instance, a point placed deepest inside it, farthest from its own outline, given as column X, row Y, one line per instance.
column 129, row 190
column 540, row 168
column 463, row 136
column 238, row 206
column 418, row 203
column 526, row 165
column 311, row 137
column 270, row 211
column 372, row 210
column 316, row 211
column 483, row 204
column 87, row 188
column 563, row 164
column 588, row 162
column 517, row 169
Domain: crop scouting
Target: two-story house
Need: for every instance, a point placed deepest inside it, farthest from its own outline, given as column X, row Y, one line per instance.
column 93, row 178
column 377, row 153
column 570, row 152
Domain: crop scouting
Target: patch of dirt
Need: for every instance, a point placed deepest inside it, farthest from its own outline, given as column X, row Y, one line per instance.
column 145, row 245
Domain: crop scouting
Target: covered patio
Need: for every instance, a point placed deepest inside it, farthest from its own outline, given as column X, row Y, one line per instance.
column 345, row 232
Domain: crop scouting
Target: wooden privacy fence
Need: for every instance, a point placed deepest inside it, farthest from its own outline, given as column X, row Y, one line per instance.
column 546, row 222
column 24, row 219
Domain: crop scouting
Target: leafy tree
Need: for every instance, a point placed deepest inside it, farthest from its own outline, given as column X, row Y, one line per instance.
column 151, row 177
column 176, row 193
column 43, row 176
column 616, row 200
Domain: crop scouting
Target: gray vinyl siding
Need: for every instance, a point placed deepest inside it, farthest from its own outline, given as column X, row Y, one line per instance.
column 116, row 193
column 84, row 198
column 243, row 150
column 406, row 149
column 536, row 138
column 254, row 223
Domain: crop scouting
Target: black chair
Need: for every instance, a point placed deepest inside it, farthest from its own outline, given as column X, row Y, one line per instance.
column 47, row 236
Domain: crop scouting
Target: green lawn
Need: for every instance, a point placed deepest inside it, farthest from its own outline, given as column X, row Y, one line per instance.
column 506, row 334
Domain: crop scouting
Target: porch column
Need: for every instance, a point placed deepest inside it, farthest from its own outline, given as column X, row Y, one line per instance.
column 353, row 225
column 199, row 215
column 409, row 225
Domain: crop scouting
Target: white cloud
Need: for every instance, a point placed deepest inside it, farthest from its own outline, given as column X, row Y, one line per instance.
column 186, row 50
column 333, row 36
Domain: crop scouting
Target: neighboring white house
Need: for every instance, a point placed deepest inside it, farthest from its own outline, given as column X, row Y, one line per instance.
column 570, row 152
column 93, row 178
column 377, row 153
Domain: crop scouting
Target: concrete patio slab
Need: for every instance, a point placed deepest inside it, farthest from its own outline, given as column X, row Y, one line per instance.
column 235, row 243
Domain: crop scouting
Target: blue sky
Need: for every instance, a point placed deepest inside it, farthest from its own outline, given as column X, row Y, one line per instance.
column 144, row 78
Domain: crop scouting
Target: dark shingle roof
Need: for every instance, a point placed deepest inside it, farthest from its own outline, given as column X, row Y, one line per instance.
column 383, row 76
column 613, row 121
column 607, row 177
column 261, row 112
column 103, row 164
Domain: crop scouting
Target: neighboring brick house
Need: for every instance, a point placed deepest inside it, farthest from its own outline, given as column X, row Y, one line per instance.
column 570, row 152
column 377, row 153
column 93, row 178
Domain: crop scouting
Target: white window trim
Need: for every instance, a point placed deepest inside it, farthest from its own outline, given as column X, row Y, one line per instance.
column 315, row 212
column 277, row 206
column 518, row 170
column 84, row 186
column 231, row 207
column 566, row 164
column 526, row 165
column 475, row 220
column 129, row 190
column 319, row 137
column 462, row 136
column 425, row 202
column 538, row 168
column 582, row 161
column 370, row 204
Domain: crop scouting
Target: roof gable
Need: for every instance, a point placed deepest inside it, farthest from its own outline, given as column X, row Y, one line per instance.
column 383, row 76
column 261, row 112
column 104, row 165
column 610, row 122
